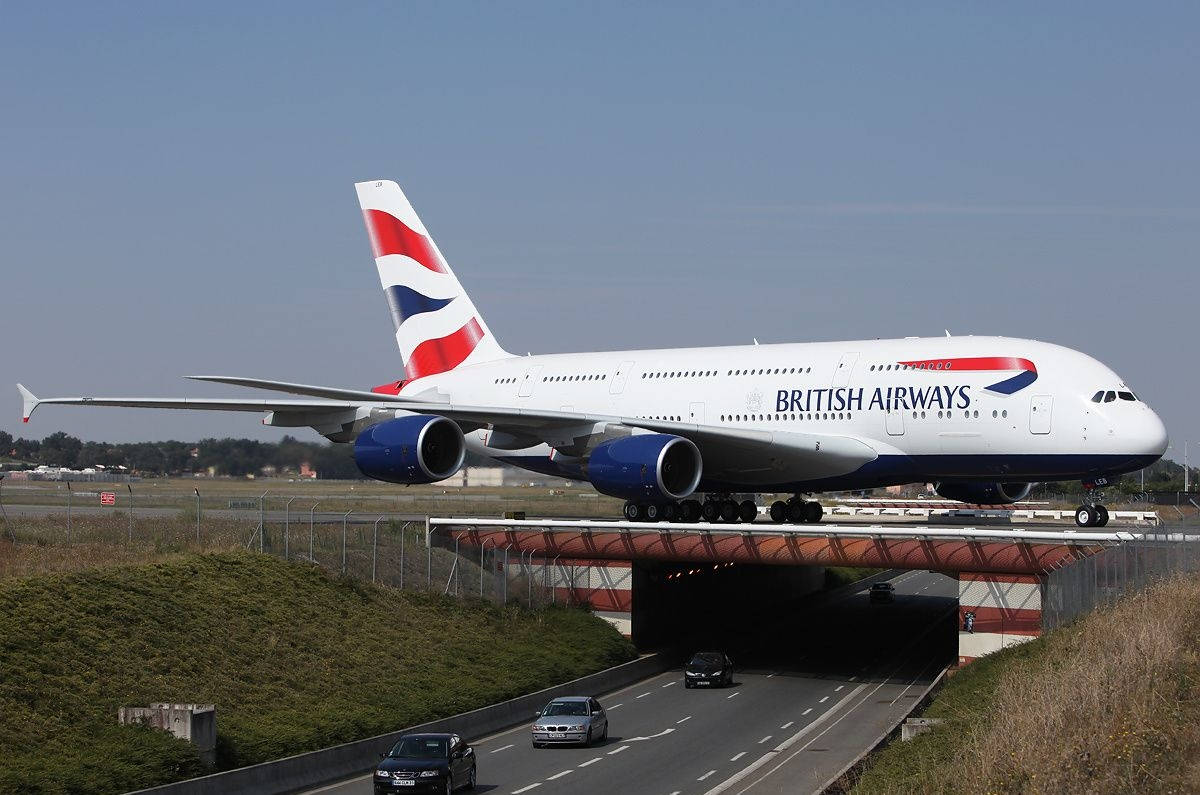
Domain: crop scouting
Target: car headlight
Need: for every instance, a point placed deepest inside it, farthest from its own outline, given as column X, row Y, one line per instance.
column 430, row 773
column 382, row 773
column 689, row 673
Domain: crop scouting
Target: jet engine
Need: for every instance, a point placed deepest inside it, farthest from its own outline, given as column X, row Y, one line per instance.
column 418, row 448
column 655, row 467
column 984, row 492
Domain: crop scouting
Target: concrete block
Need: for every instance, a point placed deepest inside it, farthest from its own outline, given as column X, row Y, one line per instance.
column 196, row 723
column 914, row 726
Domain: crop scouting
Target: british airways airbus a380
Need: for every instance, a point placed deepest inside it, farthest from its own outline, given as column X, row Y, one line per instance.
column 982, row 417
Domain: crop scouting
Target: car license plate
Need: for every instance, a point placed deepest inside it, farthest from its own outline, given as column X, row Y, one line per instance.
column 702, row 682
column 403, row 782
column 556, row 735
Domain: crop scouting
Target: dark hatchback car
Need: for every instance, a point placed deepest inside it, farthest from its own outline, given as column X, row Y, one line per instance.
column 708, row 669
column 883, row 592
column 439, row 763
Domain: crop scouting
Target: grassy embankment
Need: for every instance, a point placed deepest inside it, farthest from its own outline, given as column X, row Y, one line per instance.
column 1109, row 704
column 837, row 576
column 293, row 658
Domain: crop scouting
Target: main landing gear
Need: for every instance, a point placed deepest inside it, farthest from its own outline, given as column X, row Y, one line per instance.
column 1091, row 515
column 722, row 509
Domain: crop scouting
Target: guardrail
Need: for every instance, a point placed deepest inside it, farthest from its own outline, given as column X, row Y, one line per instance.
column 1028, row 514
column 338, row 762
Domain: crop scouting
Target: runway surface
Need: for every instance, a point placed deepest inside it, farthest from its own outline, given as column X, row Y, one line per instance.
column 814, row 687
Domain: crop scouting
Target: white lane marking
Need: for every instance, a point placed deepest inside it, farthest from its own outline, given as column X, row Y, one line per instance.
column 853, row 678
column 731, row 695
column 662, row 733
column 614, row 706
column 737, row 756
column 789, row 723
column 559, row 775
column 706, row 775
column 823, row 699
column 770, row 675
column 526, row 789
column 590, row 762
column 643, row 695
column 668, row 684
column 501, row 748
column 368, row 777
column 681, row 720
column 839, row 687
column 763, row 740
column 618, row 750
column 805, row 712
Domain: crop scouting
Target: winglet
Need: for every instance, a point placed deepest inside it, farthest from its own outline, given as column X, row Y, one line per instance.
column 29, row 402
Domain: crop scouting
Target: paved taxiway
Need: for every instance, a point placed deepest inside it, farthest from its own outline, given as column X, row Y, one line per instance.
column 814, row 688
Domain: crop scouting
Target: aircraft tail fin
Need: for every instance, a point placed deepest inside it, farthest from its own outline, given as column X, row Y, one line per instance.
column 437, row 326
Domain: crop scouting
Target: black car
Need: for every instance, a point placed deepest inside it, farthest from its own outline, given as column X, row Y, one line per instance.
column 883, row 592
column 708, row 669
column 438, row 763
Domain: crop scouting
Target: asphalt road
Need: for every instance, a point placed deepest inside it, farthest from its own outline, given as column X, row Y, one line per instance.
column 814, row 687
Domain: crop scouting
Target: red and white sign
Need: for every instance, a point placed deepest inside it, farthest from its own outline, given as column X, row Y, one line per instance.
column 108, row 498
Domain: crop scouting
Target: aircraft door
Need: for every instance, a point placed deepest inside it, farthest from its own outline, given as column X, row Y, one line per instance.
column 617, row 384
column 696, row 413
column 1040, row 409
column 895, row 422
column 527, row 382
column 845, row 366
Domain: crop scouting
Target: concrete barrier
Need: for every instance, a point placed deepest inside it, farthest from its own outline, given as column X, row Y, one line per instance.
column 344, row 761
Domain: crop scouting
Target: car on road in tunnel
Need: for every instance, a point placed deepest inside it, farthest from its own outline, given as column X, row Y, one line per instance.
column 883, row 592
column 570, row 720
column 708, row 669
column 427, row 763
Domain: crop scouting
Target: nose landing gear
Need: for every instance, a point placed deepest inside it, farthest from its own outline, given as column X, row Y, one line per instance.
column 1092, row 513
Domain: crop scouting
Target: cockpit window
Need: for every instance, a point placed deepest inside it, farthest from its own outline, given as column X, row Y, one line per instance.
column 1096, row 398
column 1127, row 396
column 1110, row 396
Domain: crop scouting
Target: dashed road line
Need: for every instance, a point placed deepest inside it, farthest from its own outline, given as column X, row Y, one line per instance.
column 618, row 750
column 763, row 740
column 805, row 712
column 590, row 762
column 501, row 748
column 614, row 706
column 668, row 684
column 789, row 723
column 643, row 695
column 823, row 699
column 731, row 695
column 737, row 756
column 706, row 775
column 839, row 687
column 681, row 720
column 559, row 775
column 526, row 789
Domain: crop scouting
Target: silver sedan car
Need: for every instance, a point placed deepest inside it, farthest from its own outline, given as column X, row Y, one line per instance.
column 570, row 719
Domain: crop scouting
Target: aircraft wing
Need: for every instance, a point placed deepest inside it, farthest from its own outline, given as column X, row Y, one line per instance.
column 737, row 454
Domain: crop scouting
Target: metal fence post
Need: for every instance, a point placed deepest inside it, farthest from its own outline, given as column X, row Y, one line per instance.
column 403, row 532
column 554, row 580
column 68, row 513
column 504, row 577
column 344, row 517
column 262, row 523
column 130, row 489
column 428, row 556
column 375, row 547
column 287, row 525
column 482, row 549
column 311, row 559
column 197, row 516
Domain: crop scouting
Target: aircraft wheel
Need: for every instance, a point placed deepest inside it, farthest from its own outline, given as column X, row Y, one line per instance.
column 651, row 512
column 729, row 511
column 690, row 509
column 1101, row 516
column 747, row 511
column 710, row 511
column 779, row 512
column 795, row 511
column 1085, row 516
column 632, row 512
column 813, row 512
column 670, row 512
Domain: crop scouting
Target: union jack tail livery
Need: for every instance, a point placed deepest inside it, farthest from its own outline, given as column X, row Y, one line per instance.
column 437, row 326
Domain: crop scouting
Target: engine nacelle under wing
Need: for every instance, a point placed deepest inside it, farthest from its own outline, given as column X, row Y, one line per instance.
column 419, row 448
column 655, row 466
column 984, row 493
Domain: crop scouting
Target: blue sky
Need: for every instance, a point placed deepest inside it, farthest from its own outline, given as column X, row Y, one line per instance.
column 178, row 184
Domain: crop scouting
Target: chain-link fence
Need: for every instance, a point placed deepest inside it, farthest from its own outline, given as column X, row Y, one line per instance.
column 1100, row 579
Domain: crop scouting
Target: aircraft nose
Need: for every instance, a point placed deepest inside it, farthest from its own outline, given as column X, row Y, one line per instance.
column 1154, row 434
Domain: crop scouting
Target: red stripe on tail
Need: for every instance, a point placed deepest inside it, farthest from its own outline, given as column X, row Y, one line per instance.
column 390, row 235
column 444, row 353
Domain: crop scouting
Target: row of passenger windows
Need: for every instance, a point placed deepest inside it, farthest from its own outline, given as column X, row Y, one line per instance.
column 681, row 374
column 917, row 366
column 1110, row 396
column 769, row 371
column 505, row 381
column 574, row 378
column 784, row 417
column 967, row 415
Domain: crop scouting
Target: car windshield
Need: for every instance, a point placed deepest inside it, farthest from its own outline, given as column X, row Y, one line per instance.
column 420, row 748
column 706, row 658
column 882, row 586
column 565, row 708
